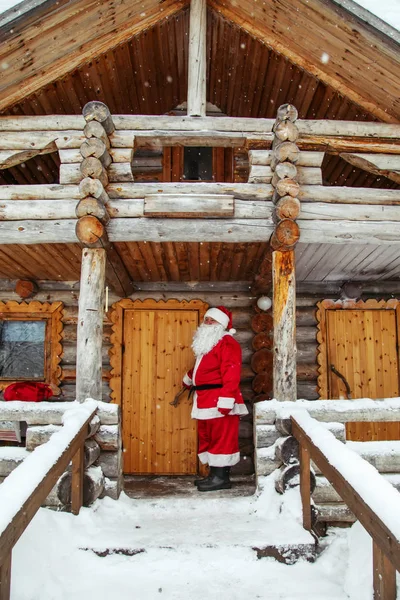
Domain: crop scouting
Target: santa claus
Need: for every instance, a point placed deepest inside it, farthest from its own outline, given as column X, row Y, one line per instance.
column 217, row 400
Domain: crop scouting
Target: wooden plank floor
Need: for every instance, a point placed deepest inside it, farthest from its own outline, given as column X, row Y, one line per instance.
column 151, row 486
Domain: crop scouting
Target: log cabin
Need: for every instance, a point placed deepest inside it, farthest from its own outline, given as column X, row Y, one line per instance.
column 160, row 158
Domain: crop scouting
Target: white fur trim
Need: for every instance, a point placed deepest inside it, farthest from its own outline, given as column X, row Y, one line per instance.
column 239, row 409
column 218, row 315
column 232, row 331
column 187, row 380
column 203, row 458
column 223, row 460
column 204, row 413
column 213, row 413
column 225, row 402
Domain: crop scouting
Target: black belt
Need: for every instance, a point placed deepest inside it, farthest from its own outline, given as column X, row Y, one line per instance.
column 204, row 386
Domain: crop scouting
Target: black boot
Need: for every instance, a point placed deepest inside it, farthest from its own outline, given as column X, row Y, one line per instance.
column 218, row 481
column 207, row 478
column 227, row 471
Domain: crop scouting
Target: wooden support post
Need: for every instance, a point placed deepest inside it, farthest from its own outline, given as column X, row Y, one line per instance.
column 284, row 314
column 384, row 575
column 90, row 325
column 305, row 493
column 5, row 579
column 196, row 96
column 77, row 481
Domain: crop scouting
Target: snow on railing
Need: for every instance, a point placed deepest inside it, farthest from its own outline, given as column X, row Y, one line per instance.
column 25, row 489
column 372, row 499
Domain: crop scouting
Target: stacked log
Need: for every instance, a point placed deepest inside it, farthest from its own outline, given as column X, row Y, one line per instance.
column 285, row 155
column 102, row 454
column 306, row 341
column 91, row 211
column 277, row 450
column 262, row 358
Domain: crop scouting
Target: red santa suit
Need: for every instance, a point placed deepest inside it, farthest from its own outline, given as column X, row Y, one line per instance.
column 218, row 432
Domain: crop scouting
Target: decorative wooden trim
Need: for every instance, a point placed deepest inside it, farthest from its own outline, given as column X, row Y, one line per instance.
column 53, row 347
column 117, row 342
column 325, row 305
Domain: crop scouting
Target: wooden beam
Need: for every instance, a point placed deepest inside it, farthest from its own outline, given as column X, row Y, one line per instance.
column 10, row 158
column 365, row 164
column 284, row 314
column 348, row 195
column 200, row 206
column 117, row 276
column 214, row 230
column 42, row 209
column 373, row 132
column 349, row 232
column 196, row 94
column 243, row 191
column 90, row 325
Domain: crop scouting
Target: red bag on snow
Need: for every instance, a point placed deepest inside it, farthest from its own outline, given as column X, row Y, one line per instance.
column 28, row 391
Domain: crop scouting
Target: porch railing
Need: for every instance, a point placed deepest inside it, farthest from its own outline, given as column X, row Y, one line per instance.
column 373, row 500
column 26, row 488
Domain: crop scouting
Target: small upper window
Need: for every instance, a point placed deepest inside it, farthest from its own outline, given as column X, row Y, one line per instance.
column 198, row 164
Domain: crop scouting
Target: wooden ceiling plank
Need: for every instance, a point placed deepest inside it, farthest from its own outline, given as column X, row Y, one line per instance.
column 194, row 261
column 392, row 271
column 126, row 257
column 257, row 22
column 14, row 265
column 92, row 35
column 171, row 262
column 204, row 259
column 138, row 261
column 225, row 262
column 215, row 249
column 239, row 259
column 267, row 107
column 163, row 78
column 181, row 40
column 151, row 264
column 170, row 31
column 243, row 61
column 61, row 268
column 117, row 276
column 310, row 84
column 181, row 250
column 247, row 270
column 159, row 256
column 277, row 83
column 260, row 88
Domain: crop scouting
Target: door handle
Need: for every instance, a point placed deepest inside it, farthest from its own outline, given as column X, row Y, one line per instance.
column 343, row 378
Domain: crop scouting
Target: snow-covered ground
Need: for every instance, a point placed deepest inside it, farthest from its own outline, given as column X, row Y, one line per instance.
column 189, row 549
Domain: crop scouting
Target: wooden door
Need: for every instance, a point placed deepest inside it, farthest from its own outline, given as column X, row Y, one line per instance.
column 158, row 438
column 362, row 346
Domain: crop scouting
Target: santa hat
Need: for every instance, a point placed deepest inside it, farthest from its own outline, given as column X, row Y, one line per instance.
column 223, row 316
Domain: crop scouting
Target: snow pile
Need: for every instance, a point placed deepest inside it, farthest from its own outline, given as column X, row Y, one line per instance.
column 19, row 485
column 189, row 549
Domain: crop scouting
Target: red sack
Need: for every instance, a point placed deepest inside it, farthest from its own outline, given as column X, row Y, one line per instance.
column 28, row 391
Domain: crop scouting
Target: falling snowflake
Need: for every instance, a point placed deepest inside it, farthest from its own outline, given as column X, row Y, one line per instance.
column 324, row 58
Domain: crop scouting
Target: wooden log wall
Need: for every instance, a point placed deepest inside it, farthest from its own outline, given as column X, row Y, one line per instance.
column 240, row 303
column 102, row 452
column 306, row 326
column 277, row 450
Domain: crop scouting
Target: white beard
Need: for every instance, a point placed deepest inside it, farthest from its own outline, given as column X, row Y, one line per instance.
column 206, row 337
